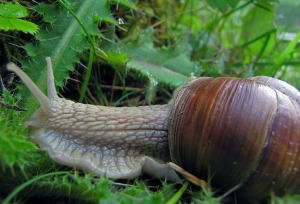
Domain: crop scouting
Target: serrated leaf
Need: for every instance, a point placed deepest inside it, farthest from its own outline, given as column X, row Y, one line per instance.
column 10, row 10
column 171, row 66
column 63, row 40
column 48, row 11
column 9, row 19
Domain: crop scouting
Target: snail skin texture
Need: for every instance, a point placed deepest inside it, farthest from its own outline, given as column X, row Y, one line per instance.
column 234, row 132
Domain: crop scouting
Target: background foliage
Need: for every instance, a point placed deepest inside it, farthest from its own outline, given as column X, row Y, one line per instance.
column 122, row 52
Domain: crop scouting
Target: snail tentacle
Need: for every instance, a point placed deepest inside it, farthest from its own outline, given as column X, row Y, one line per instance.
column 43, row 100
column 52, row 94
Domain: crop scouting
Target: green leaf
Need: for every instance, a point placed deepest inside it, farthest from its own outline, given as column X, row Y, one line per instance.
column 63, row 40
column 48, row 11
column 233, row 3
column 257, row 26
column 117, row 59
column 171, row 66
column 222, row 5
column 10, row 10
column 9, row 19
column 127, row 3
column 218, row 4
column 160, row 73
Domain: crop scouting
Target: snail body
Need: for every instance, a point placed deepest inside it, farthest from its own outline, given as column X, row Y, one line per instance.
column 238, row 132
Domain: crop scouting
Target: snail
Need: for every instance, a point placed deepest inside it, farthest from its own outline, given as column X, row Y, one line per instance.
column 236, row 132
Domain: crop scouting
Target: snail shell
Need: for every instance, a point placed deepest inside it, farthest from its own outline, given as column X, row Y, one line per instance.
column 239, row 132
